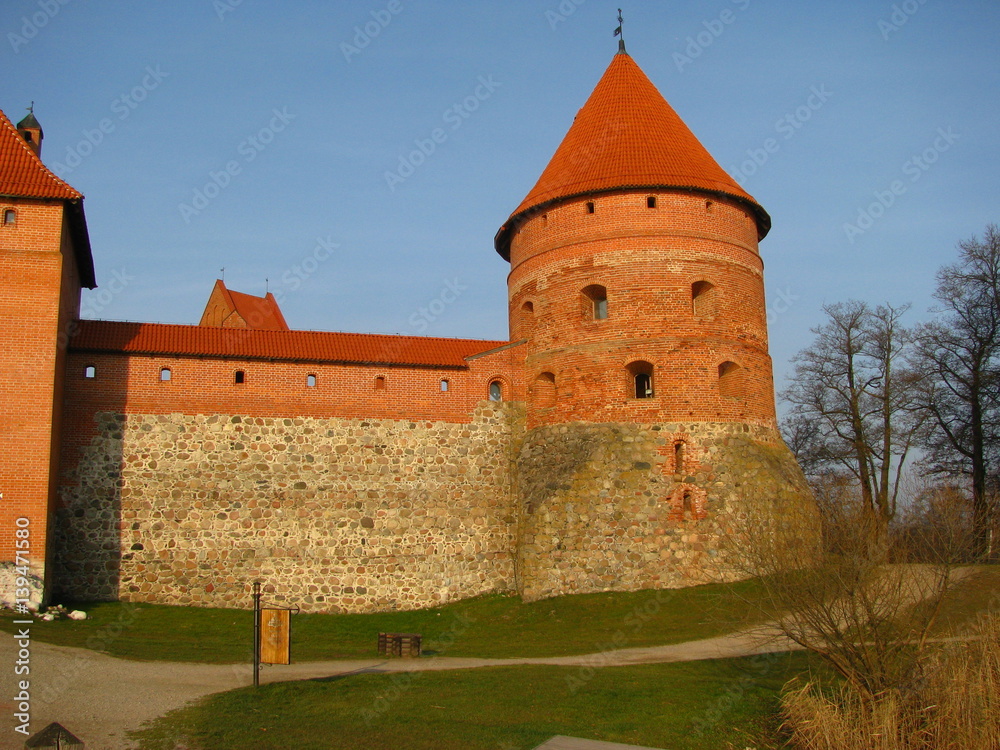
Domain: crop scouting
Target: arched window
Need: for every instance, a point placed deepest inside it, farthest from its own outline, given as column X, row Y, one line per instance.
column 595, row 302
column 679, row 449
column 703, row 299
column 310, row 381
column 527, row 318
column 165, row 374
column 730, row 380
column 640, row 379
column 445, row 385
column 9, row 217
column 544, row 390
column 90, row 372
column 496, row 390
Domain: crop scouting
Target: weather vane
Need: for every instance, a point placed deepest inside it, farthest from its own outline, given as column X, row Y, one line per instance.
column 31, row 109
column 618, row 32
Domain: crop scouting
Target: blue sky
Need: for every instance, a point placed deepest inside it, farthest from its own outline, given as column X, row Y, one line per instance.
column 867, row 129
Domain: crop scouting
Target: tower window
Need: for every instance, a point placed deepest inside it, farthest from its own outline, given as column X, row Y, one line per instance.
column 527, row 318
column 310, row 381
column 240, row 377
column 679, row 457
column 590, row 207
column 651, row 201
column 90, row 372
column 165, row 374
column 730, row 380
column 641, row 377
column 496, row 390
column 380, row 383
column 703, row 299
column 9, row 217
column 544, row 391
column 445, row 385
column 596, row 302
column 708, row 206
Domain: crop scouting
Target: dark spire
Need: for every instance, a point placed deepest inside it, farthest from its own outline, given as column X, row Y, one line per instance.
column 31, row 130
column 618, row 33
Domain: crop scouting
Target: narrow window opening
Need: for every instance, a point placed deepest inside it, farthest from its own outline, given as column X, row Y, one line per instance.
column 651, row 201
column 703, row 299
column 544, row 390
column 496, row 391
column 165, row 374
column 444, row 386
column 596, row 298
column 708, row 206
column 545, row 218
column 240, row 377
column 310, row 381
column 380, row 383
column 641, row 373
column 590, row 207
column 90, row 371
column 9, row 217
column 687, row 503
column 679, row 458
column 643, row 386
column 730, row 380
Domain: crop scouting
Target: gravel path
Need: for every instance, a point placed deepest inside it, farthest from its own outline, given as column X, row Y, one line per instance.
column 99, row 698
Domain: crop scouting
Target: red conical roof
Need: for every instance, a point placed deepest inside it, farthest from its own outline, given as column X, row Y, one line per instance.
column 627, row 136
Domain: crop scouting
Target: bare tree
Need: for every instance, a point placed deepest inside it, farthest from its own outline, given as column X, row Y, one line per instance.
column 852, row 402
column 958, row 356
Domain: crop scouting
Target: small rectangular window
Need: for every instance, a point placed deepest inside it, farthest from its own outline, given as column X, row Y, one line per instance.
column 651, row 201
column 165, row 373
column 10, row 217
column 590, row 207
column 310, row 381
column 444, row 386
column 380, row 383
column 240, row 377
column 89, row 371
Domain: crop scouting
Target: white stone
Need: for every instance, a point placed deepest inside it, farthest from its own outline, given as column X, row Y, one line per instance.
column 77, row 614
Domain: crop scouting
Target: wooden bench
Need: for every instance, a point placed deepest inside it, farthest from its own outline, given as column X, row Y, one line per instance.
column 399, row 644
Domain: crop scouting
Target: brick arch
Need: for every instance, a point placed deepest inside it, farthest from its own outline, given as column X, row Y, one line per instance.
column 505, row 385
column 687, row 503
column 544, row 390
column 732, row 379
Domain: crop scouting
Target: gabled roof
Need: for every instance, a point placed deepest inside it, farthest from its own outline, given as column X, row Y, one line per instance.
column 22, row 175
column 260, row 313
column 298, row 346
column 627, row 136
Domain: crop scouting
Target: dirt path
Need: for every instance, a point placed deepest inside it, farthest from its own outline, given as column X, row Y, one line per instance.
column 99, row 698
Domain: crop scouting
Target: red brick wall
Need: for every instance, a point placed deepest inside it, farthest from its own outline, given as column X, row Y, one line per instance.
column 131, row 384
column 648, row 259
column 40, row 298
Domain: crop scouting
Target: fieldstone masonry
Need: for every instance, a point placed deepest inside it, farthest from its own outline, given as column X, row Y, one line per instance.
column 342, row 515
column 620, row 507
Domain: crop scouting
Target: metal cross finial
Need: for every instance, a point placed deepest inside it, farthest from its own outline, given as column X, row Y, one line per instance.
column 618, row 32
column 31, row 109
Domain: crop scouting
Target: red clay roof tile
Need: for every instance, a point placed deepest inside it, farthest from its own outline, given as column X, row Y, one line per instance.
column 22, row 174
column 260, row 313
column 627, row 136
column 304, row 346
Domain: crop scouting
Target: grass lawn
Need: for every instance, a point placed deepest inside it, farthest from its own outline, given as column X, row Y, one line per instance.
column 494, row 626
column 710, row 705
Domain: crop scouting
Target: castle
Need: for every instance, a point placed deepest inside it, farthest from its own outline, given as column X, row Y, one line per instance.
column 605, row 446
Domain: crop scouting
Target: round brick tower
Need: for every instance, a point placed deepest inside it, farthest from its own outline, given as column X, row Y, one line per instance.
column 637, row 286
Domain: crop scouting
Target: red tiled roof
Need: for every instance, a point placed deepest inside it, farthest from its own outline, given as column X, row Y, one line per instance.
column 22, row 174
column 304, row 346
column 627, row 136
column 260, row 313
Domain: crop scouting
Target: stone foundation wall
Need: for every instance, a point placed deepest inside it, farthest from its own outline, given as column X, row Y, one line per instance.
column 335, row 515
column 619, row 507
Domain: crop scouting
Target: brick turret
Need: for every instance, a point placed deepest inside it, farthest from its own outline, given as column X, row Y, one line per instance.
column 637, row 285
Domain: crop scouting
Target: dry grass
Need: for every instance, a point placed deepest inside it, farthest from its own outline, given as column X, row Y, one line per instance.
column 954, row 703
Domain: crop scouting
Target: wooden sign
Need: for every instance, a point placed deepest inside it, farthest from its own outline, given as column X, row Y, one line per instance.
column 275, row 636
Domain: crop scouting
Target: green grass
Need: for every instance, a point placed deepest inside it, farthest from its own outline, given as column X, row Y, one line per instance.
column 495, row 626
column 709, row 705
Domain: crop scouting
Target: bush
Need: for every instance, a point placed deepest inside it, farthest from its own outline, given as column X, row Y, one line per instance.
column 953, row 704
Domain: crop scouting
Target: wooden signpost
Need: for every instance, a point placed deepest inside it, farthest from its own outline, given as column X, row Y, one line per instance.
column 272, row 634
